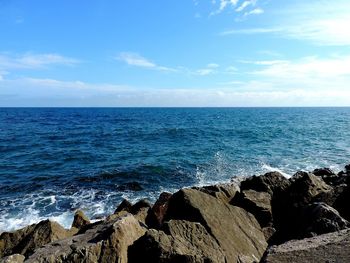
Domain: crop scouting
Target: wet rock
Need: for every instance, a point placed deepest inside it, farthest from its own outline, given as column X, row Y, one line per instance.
column 26, row 240
column 156, row 214
column 272, row 182
column 181, row 241
column 131, row 186
column 236, row 231
column 80, row 220
column 16, row 258
column 326, row 248
column 125, row 205
column 257, row 203
column 107, row 241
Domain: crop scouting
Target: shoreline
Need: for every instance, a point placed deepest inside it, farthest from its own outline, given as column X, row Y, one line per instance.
column 206, row 224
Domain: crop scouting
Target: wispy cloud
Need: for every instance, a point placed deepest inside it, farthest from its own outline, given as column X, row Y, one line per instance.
column 318, row 22
column 134, row 59
column 223, row 4
column 211, row 68
column 33, row 61
column 245, row 4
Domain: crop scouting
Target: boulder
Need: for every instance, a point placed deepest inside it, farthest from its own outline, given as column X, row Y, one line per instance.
column 320, row 218
column 143, row 203
column 289, row 208
column 181, row 241
column 257, row 203
column 332, row 247
column 106, row 241
column 272, row 182
column 236, row 231
column 225, row 192
column 156, row 214
column 26, row 240
column 305, row 187
column 80, row 220
column 16, row 258
column 125, row 205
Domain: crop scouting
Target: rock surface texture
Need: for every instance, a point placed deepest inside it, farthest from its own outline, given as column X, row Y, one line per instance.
column 266, row 218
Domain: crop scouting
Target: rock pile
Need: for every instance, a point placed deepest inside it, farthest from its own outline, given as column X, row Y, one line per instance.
column 266, row 218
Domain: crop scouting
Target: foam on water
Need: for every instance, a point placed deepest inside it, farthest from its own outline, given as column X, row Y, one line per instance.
column 55, row 161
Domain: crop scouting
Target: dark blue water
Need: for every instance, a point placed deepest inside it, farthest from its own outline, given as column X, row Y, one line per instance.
column 53, row 161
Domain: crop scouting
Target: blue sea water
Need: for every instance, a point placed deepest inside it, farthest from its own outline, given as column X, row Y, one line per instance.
column 56, row 160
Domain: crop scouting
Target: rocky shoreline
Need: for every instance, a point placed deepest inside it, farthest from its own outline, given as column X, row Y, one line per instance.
column 266, row 218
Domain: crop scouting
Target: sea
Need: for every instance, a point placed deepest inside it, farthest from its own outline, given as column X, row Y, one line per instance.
column 54, row 161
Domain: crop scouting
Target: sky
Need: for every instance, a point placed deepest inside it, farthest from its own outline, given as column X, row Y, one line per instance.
column 205, row 53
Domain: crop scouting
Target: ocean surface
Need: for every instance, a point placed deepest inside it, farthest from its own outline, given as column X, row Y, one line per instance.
column 56, row 160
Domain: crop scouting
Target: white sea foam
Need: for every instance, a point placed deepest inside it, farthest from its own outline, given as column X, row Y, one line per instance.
column 269, row 168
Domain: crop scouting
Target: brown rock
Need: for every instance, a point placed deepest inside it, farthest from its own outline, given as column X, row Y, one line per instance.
column 106, row 241
column 272, row 182
column 181, row 241
column 257, row 203
column 16, row 258
column 26, row 240
column 155, row 216
column 125, row 205
column 236, row 231
column 326, row 248
column 80, row 220
column 224, row 192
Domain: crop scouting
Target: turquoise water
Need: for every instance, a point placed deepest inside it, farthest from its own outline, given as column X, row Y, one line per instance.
column 55, row 160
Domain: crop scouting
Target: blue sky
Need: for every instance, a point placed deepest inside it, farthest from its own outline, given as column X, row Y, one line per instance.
column 175, row 53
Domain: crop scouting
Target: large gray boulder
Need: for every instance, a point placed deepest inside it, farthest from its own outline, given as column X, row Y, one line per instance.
column 180, row 241
column 326, row 248
column 106, row 241
column 237, row 232
column 24, row 241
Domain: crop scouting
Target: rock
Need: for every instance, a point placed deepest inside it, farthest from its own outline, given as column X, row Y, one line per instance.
column 305, row 187
column 181, row 241
column 341, row 202
column 257, row 203
column 272, row 182
column 143, row 203
column 16, row 258
column 236, row 231
column 347, row 168
column 289, row 208
column 80, row 220
column 107, row 241
column 225, row 192
column 125, row 205
column 156, row 214
column 320, row 218
column 323, row 172
column 26, row 240
column 326, row 248
column 131, row 186
column 330, row 178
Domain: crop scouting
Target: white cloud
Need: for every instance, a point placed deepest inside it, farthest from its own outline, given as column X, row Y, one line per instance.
column 223, row 4
column 318, row 22
column 33, row 61
column 134, row 59
column 256, row 11
column 306, row 68
column 244, row 5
